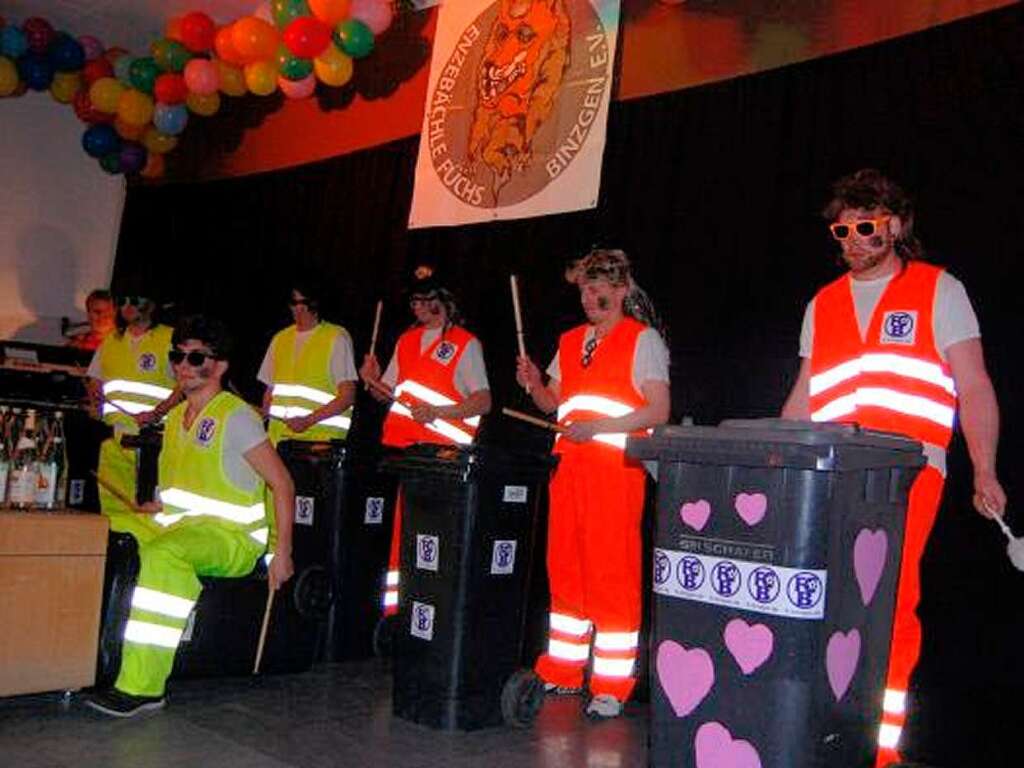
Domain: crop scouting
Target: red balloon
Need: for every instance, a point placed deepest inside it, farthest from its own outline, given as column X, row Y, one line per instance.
column 95, row 69
column 86, row 112
column 307, row 37
column 170, row 88
column 224, row 44
column 197, row 31
column 39, row 34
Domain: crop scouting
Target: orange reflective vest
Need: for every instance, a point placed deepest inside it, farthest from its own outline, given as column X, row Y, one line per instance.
column 428, row 377
column 893, row 379
column 604, row 387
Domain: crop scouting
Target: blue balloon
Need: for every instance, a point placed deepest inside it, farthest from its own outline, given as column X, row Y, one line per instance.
column 100, row 139
column 66, row 53
column 36, row 70
column 123, row 69
column 12, row 42
column 170, row 118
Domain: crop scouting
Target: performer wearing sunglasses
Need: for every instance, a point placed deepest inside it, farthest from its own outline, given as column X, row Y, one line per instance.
column 609, row 379
column 440, row 386
column 215, row 466
column 894, row 345
column 132, row 379
column 309, row 373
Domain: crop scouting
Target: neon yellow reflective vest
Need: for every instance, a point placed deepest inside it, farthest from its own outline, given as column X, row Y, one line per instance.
column 135, row 375
column 302, row 383
column 193, row 482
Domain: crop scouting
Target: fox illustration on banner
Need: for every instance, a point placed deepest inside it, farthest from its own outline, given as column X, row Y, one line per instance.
column 516, row 110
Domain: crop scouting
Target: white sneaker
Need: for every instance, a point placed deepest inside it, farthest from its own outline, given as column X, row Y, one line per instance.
column 604, row 706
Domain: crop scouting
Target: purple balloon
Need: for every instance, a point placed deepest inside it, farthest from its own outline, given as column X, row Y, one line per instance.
column 133, row 157
column 92, row 46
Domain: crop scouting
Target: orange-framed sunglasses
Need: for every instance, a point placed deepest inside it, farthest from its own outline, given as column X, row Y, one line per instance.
column 863, row 227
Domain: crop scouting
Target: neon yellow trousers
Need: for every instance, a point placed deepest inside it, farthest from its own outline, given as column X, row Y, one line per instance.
column 117, row 467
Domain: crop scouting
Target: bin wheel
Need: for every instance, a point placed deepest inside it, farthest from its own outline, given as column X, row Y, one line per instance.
column 521, row 698
column 384, row 637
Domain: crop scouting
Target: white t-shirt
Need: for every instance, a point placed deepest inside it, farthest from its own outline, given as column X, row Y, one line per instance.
column 650, row 360
column 342, row 363
column 470, row 373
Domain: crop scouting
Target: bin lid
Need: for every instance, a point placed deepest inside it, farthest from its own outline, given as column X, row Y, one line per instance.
column 431, row 458
column 779, row 443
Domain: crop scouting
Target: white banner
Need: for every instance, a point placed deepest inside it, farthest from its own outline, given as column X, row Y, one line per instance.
column 517, row 109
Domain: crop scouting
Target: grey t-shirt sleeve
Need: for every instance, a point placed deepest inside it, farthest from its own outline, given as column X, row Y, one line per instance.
column 807, row 331
column 651, row 359
column 954, row 319
column 343, row 365
column 471, row 373
column 266, row 372
column 242, row 432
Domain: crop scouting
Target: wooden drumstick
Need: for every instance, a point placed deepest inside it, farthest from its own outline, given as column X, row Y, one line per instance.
column 263, row 629
column 532, row 420
column 520, row 338
column 118, row 494
column 376, row 327
column 383, row 390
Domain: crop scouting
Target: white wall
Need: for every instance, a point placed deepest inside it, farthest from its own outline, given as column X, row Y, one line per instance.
column 60, row 214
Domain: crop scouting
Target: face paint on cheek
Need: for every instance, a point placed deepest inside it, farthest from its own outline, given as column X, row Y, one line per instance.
column 602, row 302
column 876, row 241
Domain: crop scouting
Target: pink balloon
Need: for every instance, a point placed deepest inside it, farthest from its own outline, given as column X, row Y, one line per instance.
column 201, row 77
column 92, row 46
column 376, row 14
column 297, row 89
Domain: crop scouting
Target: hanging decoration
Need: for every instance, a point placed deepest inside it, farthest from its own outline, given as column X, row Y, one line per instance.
column 136, row 107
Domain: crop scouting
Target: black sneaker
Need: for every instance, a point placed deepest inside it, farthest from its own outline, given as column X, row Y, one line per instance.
column 119, row 704
column 561, row 690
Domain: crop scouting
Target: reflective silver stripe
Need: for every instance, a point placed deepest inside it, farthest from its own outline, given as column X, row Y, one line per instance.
column 262, row 535
column 616, row 641
column 303, row 392
column 889, row 735
column 882, row 362
column 596, row 403
column 895, row 702
column 136, row 388
column 144, row 633
column 431, row 397
column 569, row 624
column 295, row 411
column 196, row 505
column 120, row 406
column 268, row 559
column 445, row 428
column 162, row 603
column 392, row 578
column 569, row 651
column 390, row 598
column 881, row 397
column 612, row 667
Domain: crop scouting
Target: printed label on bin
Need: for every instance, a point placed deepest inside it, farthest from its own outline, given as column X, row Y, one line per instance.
column 515, row 494
column 76, row 492
column 428, row 549
column 796, row 593
column 503, row 558
column 304, row 510
column 422, row 625
column 374, row 510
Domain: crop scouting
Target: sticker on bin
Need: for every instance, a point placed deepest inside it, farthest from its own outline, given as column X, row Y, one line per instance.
column 374, row 510
column 76, row 492
column 503, row 558
column 422, row 625
column 428, row 549
column 515, row 494
column 796, row 593
column 304, row 510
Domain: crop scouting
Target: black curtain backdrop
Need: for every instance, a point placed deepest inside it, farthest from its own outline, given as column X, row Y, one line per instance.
column 715, row 193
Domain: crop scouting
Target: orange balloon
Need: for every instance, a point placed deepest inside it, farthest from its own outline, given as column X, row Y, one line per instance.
column 127, row 131
column 255, row 39
column 158, row 143
column 224, row 45
column 154, row 167
column 173, row 29
column 330, row 12
column 205, row 105
column 232, row 80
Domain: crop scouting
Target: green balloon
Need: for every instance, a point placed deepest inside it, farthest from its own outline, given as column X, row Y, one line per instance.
column 290, row 66
column 354, row 38
column 170, row 55
column 144, row 73
column 111, row 163
column 287, row 11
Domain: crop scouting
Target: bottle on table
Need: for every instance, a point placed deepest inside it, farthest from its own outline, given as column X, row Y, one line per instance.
column 24, row 472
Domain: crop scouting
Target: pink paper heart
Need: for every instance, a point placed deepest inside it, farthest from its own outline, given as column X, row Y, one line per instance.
column 716, row 748
column 750, row 645
column 686, row 676
column 695, row 514
column 751, row 507
column 869, row 551
column 841, row 658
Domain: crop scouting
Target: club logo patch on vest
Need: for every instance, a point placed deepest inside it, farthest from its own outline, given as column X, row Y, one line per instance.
column 147, row 362
column 445, row 352
column 899, row 327
column 205, row 431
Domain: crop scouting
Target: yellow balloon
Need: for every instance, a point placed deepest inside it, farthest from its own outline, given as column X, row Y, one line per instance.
column 105, row 94
column 333, row 67
column 135, row 107
column 159, row 143
column 64, row 86
column 232, row 79
column 203, row 105
column 8, row 76
column 261, row 77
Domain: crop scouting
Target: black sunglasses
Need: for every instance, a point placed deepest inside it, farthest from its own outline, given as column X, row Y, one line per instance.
column 132, row 301
column 194, row 358
column 297, row 302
